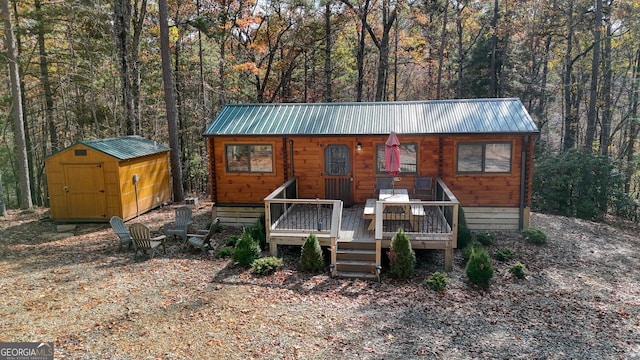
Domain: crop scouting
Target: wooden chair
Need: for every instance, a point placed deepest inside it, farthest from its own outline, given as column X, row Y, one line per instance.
column 423, row 188
column 117, row 224
column 143, row 242
column 184, row 218
column 202, row 239
column 383, row 183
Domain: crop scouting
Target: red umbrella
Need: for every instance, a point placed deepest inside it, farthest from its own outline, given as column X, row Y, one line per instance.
column 392, row 155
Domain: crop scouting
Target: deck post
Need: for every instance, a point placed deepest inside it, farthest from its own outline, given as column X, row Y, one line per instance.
column 448, row 258
column 273, row 248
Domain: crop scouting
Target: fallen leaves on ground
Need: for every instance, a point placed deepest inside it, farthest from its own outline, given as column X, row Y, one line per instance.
column 580, row 299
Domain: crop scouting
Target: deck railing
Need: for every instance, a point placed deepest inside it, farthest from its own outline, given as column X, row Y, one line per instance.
column 435, row 222
column 285, row 214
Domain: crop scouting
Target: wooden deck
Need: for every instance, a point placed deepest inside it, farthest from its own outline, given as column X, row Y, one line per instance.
column 353, row 226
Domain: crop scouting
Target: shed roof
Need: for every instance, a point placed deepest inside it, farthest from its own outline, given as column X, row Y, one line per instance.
column 125, row 147
column 463, row 116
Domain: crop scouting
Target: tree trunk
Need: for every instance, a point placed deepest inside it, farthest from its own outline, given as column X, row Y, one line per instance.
column 443, row 44
column 364, row 11
column 493, row 71
column 3, row 208
column 121, row 24
column 593, row 90
column 328, row 95
column 605, row 132
column 18, row 121
column 170, row 103
column 44, row 79
column 383, row 47
column 139, row 16
column 570, row 123
column 632, row 134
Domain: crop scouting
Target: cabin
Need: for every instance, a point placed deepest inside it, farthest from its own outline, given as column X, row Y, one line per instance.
column 93, row 180
column 320, row 168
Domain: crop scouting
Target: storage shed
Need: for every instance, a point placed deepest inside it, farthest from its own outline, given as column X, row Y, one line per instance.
column 93, row 180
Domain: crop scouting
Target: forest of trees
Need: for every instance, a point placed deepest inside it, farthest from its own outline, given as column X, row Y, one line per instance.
column 93, row 69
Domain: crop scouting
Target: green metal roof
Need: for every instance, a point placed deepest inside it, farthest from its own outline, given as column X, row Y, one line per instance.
column 407, row 117
column 125, row 147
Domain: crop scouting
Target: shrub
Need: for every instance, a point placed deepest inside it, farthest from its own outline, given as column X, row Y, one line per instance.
column 479, row 268
column 311, row 258
column 485, row 238
column 402, row 258
column 258, row 233
column 504, row 254
column 246, row 251
column 232, row 240
column 577, row 183
column 266, row 266
column 534, row 236
column 464, row 234
column 518, row 270
column 224, row 252
column 437, row 281
column 466, row 252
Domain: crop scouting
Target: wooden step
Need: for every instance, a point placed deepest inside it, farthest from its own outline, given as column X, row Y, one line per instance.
column 359, row 275
column 356, row 254
column 356, row 265
column 356, row 245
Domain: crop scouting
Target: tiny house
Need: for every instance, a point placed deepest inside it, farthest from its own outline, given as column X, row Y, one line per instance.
column 482, row 149
column 93, row 180
column 322, row 169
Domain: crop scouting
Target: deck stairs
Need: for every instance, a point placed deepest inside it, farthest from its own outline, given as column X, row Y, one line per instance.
column 356, row 259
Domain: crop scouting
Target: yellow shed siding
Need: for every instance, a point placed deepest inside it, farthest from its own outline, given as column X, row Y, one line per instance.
column 112, row 175
column 153, row 186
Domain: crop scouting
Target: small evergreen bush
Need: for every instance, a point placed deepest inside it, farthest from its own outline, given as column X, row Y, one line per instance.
column 485, row 238
column 311, row 258
column 464, row 234
column 224, row 252
column 246, row 251
column 266, row 265
column 467, row 251
column 402, row 258
column 518, row 270
column 504, row 254
column 534, row 236
column 232, row 241
column 437, row 281
column 479, row 268
column 258, row 233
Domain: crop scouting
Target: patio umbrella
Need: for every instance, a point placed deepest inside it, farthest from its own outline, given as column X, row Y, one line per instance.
column 392, row 155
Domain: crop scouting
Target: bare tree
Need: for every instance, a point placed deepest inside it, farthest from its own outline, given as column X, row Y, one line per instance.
column 170, row 103
column 18, row 121
column 595, row 67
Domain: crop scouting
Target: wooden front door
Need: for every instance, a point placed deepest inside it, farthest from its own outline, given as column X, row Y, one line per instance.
column 84, row 186
column 338, row 182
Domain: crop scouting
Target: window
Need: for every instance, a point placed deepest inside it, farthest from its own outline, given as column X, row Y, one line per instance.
column 80, row 152
column 408, row 158
column 249, row 158
column 336, row 160
column 484, row 158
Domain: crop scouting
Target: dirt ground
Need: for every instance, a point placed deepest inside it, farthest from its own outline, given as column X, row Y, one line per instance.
column 579, row 300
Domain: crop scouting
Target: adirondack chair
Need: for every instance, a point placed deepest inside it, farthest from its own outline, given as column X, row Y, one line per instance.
column 117, row 224
column 202, row 239
column 184, row 218
column 143, row 242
